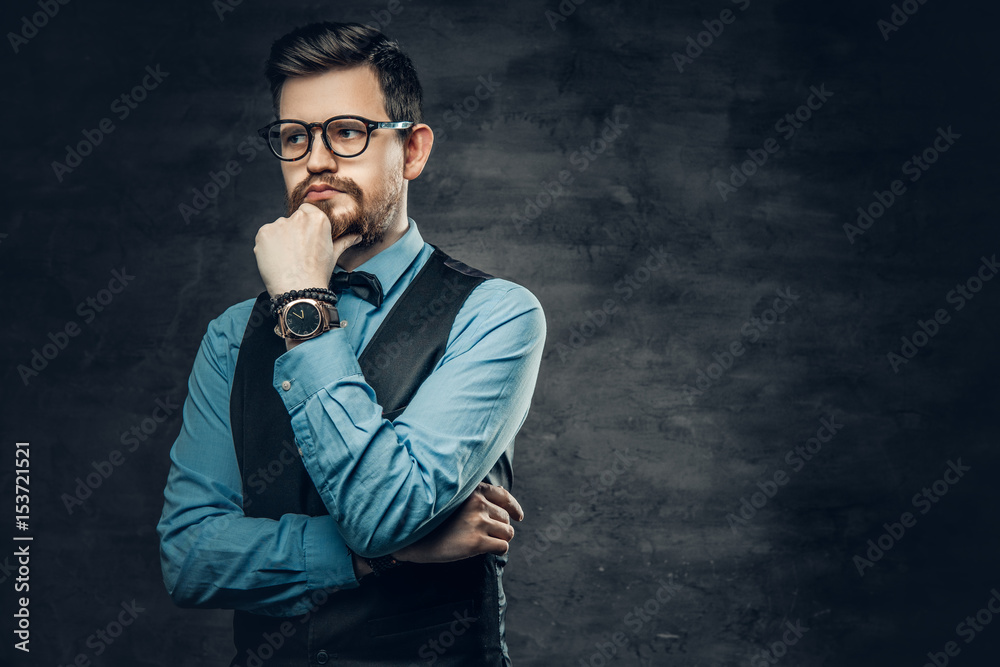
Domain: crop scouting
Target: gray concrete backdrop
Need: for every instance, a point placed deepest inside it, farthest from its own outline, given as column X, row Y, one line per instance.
column 720, row 425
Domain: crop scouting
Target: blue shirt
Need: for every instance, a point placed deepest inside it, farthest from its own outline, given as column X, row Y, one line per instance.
column 385, row 484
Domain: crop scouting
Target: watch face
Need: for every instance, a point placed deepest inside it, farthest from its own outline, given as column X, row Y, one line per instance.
column 302, row 318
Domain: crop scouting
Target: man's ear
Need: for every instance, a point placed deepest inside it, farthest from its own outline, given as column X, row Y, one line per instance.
column 416, row 150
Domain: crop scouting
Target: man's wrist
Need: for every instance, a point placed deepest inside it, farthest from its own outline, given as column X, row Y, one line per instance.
column 361, row 568
column 278, row 301
column 365, row 566
column 403, row 555
column 292, row 342
column 314, row 314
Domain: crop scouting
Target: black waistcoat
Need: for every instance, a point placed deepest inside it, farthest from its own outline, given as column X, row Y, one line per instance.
column 449, row 614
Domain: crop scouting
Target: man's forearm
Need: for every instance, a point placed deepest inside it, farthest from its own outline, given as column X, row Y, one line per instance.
column 231, row 561
column 481, row 525
column 212, row 555
column 388, row 484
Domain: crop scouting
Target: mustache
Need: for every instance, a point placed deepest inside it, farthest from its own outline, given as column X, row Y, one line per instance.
column 345, row 185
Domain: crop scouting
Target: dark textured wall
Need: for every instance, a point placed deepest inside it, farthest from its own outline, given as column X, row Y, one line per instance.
column 678, row 512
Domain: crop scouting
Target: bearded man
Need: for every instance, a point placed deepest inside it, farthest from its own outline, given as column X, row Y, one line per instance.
column 341, row 478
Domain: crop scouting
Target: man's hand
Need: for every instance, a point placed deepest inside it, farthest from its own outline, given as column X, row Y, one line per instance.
column 298, row 252
column 480, row 525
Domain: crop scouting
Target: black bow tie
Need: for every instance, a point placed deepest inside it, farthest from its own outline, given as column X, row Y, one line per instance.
column 364, row 284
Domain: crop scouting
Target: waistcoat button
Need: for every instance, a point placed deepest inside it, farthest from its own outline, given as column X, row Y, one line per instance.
column 322, row 657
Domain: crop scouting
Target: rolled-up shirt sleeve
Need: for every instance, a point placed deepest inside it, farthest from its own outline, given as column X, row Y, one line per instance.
column 211, row 554
column 387, row 484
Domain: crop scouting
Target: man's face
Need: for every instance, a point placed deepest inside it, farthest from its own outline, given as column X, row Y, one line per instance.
column 367, row 190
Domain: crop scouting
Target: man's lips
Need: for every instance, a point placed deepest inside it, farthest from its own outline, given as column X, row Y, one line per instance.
column 317, row 195
column 320, row 191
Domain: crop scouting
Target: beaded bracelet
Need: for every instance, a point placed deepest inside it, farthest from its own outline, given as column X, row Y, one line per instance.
column 319, row 293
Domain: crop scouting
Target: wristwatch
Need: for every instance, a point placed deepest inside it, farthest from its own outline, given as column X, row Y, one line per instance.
column 302, row 319
column 379, row 564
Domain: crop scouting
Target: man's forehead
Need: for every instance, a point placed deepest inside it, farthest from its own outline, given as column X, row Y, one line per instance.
column 316, row 97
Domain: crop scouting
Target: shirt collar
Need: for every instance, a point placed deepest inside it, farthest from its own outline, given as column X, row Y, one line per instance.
column 390, row 264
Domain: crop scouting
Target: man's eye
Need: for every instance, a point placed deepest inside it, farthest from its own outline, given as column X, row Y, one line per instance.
column 295, row 139
column 347, row 133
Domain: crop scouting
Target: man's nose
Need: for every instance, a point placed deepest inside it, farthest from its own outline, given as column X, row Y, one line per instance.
column 320, row 158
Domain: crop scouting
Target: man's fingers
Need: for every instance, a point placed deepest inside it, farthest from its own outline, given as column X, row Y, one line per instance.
column 500, row 530
column 501, row 497
column 490, row 545
column 311, row 210
column 497, row 513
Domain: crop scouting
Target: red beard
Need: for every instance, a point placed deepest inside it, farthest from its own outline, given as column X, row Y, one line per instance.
column 369, row 218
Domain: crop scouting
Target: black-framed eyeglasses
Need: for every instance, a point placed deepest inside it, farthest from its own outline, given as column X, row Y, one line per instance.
column 344, row 136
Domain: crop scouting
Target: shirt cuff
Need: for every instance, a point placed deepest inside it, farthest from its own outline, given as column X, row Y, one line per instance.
column 329, row 565
column 312, row 365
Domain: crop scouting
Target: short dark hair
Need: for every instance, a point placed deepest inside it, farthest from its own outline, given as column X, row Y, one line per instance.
column 318, row 47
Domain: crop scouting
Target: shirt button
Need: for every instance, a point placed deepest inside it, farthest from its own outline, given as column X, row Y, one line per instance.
column 300, row 451
column 322, row 657
column 343, row 323
column 286, row 385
